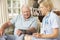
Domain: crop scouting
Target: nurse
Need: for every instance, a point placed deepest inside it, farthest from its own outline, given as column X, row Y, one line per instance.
column 50, row 27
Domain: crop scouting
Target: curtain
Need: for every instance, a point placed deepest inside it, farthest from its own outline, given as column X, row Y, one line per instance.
column 3, row 12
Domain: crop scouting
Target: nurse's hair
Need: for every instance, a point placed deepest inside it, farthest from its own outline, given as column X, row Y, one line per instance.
column 47, row 3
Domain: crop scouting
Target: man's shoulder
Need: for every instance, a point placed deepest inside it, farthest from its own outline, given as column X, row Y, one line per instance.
column 18, row 16
column 34, row 18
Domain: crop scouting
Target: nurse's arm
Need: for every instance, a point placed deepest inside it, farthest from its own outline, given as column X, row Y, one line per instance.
column 53, row 35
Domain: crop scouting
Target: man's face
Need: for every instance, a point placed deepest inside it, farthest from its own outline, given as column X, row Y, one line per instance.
column 26, row 12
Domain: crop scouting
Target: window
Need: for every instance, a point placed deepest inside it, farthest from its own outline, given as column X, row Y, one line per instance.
column 13, row 7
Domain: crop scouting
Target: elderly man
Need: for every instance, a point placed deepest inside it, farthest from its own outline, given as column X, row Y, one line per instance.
column 24, row 24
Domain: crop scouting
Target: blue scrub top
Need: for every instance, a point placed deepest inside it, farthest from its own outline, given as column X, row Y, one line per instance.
column 49, row 23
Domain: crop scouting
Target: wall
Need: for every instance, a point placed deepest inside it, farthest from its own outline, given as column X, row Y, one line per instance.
column 56, row 4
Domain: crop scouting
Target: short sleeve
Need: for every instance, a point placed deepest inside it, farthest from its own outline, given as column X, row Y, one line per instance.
column 55, row 21
column 13, row 20
column 34, row 24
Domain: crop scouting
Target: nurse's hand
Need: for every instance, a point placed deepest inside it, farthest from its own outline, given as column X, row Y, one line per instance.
column 37, row 35
column 19, row 32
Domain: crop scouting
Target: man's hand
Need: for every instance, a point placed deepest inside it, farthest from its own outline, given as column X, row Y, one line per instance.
column 19, row 32
column 33, row 30
column 37, row 35
column 1, row 32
